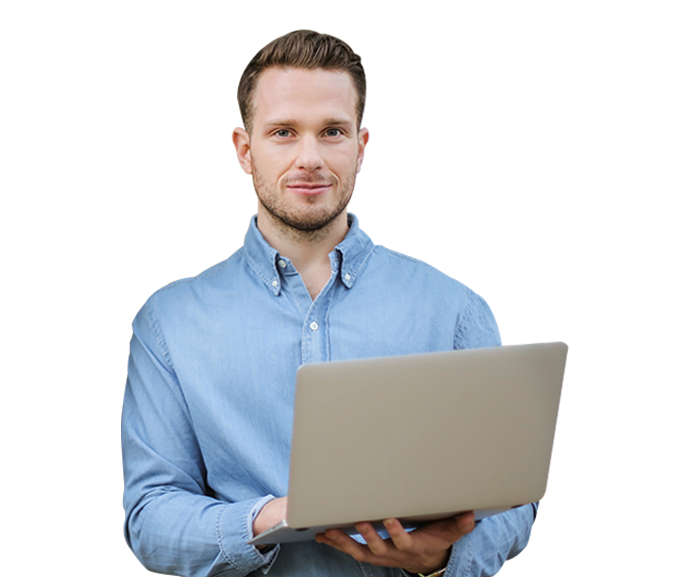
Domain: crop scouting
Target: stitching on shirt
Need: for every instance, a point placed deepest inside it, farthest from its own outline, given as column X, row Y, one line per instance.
column 256, row 268
column 477, row 318
column 463, row 320
column 166, row 354
column 216, row 269
column 221, row 545
column 364, row 257
column 401, row 255
column 327, row 316
column 160, row 339
column 208, row 272
column 421, row 263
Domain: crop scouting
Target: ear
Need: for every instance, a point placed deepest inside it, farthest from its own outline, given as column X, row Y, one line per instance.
column 362, row 139
column 240, row 138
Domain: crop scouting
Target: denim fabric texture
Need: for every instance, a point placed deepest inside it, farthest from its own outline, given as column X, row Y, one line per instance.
column 207, row 415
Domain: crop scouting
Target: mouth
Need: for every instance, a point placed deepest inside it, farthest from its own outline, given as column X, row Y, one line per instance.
column 309, row 188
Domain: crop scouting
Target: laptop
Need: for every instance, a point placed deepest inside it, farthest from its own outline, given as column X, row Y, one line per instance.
column 420, row 437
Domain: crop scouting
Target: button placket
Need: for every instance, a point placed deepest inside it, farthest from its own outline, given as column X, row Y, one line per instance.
column 315, row 333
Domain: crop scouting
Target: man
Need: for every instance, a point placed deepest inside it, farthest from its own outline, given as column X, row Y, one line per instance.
column 207, row 414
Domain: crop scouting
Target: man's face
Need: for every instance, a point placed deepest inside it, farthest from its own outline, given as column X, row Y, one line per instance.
column 304, row 150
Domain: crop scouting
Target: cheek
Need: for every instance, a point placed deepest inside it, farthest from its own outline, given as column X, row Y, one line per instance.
column 269, row 164
column 343, row 161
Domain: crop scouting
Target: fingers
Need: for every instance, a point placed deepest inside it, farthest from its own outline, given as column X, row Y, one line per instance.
column 374, row 541
column 339, row 540
column 402, row 540
column 426, row 547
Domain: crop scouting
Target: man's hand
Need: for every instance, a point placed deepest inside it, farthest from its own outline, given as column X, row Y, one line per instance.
column 421, row 551
column 271, row 513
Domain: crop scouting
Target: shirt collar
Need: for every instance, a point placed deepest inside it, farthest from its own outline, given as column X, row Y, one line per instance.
column 349, row 255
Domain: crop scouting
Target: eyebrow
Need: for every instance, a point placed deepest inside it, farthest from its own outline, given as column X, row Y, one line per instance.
column 281, row 122
column 290, row 122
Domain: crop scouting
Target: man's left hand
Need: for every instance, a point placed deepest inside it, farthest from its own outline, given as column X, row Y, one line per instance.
column 420, row 551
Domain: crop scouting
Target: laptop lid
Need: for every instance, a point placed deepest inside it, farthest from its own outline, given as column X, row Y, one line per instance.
column 424, row 436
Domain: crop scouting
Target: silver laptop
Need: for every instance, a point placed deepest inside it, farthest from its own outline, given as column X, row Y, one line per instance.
column 420, row 437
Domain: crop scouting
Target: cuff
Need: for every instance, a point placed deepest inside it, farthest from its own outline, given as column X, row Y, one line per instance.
column 234, row 530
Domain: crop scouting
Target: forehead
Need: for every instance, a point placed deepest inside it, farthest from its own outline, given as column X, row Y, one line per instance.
column 301, row 94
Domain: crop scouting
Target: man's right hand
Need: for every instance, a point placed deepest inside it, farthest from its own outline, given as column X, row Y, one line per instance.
column 271, row 513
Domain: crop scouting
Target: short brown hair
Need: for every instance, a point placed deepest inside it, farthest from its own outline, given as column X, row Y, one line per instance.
column 301, row 49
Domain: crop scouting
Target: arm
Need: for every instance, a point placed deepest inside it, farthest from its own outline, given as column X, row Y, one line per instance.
column 173, row 524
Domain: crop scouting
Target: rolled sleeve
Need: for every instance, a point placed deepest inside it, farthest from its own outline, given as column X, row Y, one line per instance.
column 235, row 531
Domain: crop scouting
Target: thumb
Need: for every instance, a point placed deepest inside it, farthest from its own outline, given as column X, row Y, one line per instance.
column 465, row 523
column 450, row 530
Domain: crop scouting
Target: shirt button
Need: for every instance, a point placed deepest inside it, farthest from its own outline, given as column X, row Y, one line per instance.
column 274, row 283
column 347, row 277
column 314, row 326
column 282, row 263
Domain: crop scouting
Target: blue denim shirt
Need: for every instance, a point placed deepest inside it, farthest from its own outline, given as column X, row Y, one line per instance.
column 207, row 416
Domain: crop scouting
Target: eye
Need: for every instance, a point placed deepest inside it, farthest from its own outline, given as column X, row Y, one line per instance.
column 333, row 132
column 282, row 133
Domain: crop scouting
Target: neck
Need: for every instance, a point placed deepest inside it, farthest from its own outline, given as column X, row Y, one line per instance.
column 307, row 250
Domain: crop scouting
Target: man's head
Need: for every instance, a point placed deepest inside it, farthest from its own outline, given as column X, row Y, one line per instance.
column 303, row 144
column 301, row 49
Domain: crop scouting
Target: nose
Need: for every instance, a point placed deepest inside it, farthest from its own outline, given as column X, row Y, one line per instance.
column 308, row 154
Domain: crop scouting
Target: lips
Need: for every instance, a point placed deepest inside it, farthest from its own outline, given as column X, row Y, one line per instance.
column 309, row 188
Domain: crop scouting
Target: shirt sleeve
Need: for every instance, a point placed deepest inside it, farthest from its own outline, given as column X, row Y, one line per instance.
column 476, row 326
column 172, row 524
column 494, row 540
